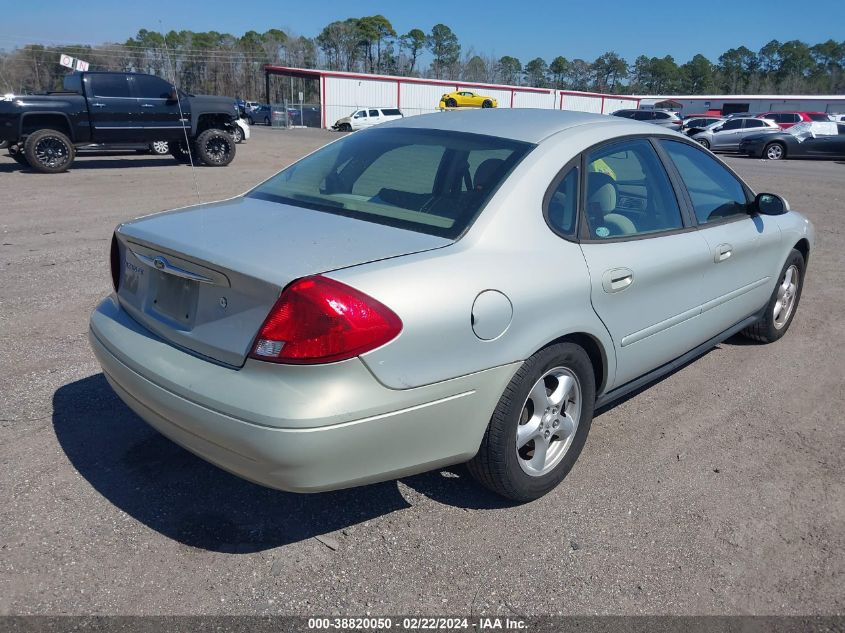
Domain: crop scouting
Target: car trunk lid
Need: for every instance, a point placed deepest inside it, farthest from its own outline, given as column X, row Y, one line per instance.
column 204, row 278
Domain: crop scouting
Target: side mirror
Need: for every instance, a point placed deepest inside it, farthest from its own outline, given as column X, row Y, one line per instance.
column 173, row 96
column 719, row 129
column 770, row 204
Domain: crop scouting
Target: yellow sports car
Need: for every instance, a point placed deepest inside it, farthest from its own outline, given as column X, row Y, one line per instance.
column 466, row 99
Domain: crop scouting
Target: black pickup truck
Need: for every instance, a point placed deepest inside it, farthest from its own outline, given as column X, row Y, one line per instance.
column 43, row 131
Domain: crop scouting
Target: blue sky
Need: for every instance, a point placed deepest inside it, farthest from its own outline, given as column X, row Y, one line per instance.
column 524, row 29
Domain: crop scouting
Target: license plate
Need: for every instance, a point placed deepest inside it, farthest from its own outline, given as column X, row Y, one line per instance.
column 174, row 297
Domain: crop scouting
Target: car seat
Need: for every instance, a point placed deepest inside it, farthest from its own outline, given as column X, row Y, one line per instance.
column 602, row 194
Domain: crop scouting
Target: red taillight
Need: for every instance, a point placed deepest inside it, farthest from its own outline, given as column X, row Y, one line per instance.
column 320, row 320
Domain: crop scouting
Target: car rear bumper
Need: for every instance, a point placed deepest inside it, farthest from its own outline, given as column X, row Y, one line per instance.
column 296, row 428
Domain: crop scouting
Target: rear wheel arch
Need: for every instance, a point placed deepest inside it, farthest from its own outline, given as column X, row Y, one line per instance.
column 595, row 350
column 35, row 121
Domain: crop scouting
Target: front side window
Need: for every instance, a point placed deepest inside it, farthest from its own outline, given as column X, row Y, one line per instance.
column 421, row 180
column 628, row 192
column 661, row 115
column 715, row 192
column 361, row 114
column 374, row 113
column 149, row 87
column 109, row 85
column 643, row 115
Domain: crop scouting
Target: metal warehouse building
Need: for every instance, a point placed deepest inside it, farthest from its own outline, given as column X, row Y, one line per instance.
column 754, row 104
column 341, row 92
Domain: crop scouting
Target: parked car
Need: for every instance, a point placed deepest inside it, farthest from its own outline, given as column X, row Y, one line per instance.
column 804, row 140
column 308, row 116
column 466, row 99
column 724, row 136
column 44, row 131
column 367, row 117
column 693, row 125
column 664, row 118
column 367, row 314
column 786, row 120
column 261, row 114
column 837, row 117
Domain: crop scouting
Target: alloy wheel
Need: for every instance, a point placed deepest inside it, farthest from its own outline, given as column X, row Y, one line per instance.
column 52, row 152
column 774, row 152
column 787, row 293
column 548, row 421
column 217, row 149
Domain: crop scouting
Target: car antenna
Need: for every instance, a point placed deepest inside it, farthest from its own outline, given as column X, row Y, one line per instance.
column 181, row 114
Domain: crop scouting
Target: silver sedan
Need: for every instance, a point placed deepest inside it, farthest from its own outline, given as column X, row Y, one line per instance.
column 726, row 135
column 441, row 289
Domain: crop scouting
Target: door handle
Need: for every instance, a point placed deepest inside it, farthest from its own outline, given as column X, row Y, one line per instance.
column 723, row 252
column 147, row 105
column 617, row 279
column 98, row 104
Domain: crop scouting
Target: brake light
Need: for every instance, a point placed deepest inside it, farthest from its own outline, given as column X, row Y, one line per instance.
column 320, row 320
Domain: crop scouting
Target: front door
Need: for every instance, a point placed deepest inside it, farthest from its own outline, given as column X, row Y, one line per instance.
column 742, row 249
column 162, row 116
column 645, row 260
column 112, row 108
column 727, row 135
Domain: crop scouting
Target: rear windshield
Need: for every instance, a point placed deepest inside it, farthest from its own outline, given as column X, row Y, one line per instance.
column 427, row 181
column 817, row 116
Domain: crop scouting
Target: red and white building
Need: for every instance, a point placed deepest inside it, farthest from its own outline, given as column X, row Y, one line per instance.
column 341, row 93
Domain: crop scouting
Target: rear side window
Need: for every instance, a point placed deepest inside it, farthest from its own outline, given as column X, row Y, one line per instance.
column 391, row 112
column 715, row 192
column 628, row 192
column 562, row 206
column 749, row 123
column 643, row 115
column 733, row 124
column 626, row 114
column 661, row 115
column 373, row 112
column 814, row 116
column 421, row 180
column 109, row 85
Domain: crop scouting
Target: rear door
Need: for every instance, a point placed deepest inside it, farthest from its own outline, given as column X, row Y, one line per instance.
column 165, row 117
column 645, row 259
column 826, row 146
column 753, row 126
column 742, row 249
column 374, row 117
column 113, row 109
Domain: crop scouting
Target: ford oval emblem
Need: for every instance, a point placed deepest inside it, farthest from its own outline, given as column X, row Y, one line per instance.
column 160, row 263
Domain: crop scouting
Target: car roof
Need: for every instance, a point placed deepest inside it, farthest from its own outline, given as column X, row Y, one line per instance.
column 530, row 125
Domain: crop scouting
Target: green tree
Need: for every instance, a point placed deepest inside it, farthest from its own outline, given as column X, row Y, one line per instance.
column 559, row 68
column 444, row 46
column 414, row 40
column 536, row 72
column 475, row 69
column 697, row 75
column 509, row 68
column 609, row 69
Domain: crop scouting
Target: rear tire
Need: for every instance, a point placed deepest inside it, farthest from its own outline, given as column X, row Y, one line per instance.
column 238, row 134
column 547, row 406
column 774, row 151
column 266, row 120
column 783, row 304
column 451, row 103
column 703, row 142
column 49, row 151
column 215, row 148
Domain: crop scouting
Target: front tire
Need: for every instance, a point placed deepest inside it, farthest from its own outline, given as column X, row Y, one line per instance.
column 703, row 142
column 238, row 134
column 774, row 151
column 539, row 426
column 215, row 148
column 49, row 151
column 179, row 151
column 487, row 104
column 783, row 303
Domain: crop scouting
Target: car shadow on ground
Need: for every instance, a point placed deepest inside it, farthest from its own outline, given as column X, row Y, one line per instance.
column 117, row 162
column 187, row 499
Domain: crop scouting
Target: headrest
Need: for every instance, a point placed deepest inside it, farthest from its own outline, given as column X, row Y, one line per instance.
column 485, row 174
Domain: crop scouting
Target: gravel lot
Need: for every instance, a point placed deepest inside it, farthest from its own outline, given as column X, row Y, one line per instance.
column 717, row 490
